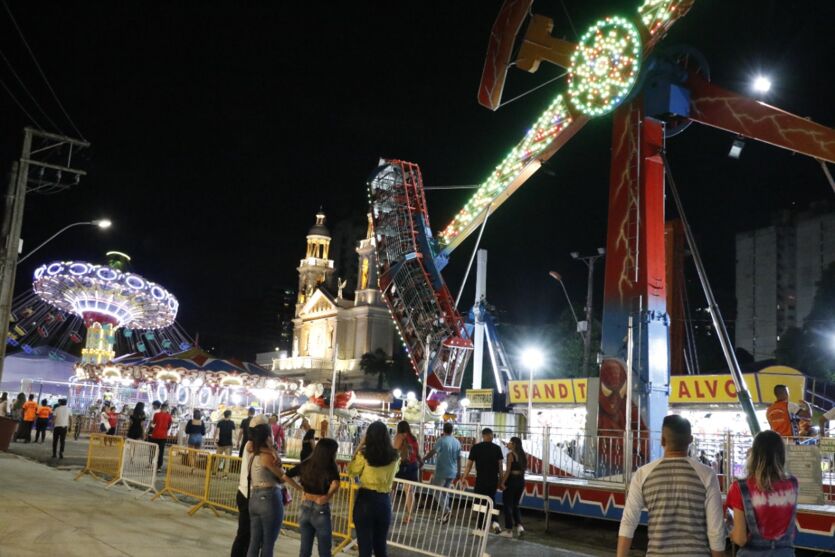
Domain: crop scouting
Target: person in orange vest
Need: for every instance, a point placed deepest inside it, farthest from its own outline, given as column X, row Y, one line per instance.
column 30, row 411
column 783, row 415
column 43, row 413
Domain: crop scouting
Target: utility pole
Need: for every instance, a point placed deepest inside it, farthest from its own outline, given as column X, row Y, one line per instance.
column 49, row 158
column 589, row 260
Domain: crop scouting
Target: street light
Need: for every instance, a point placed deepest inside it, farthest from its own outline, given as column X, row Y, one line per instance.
column 589, row 260
column 532, row 359
column 558, row 277
column 762, row 84
column 101, row 223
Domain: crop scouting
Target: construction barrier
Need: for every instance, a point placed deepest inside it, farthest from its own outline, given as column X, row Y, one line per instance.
column 104, row 457
column 438, row 521
column 139, row 465
column 187, row 474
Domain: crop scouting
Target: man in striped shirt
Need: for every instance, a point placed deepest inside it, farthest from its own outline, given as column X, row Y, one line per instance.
column 683, row 500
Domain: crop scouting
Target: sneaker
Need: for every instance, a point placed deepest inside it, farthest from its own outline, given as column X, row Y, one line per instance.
column 497, row 529
column 444, row 518
column 519, row 530
column 506, row 534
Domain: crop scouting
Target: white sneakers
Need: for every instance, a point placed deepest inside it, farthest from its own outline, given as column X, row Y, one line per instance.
column 497, row 529
column 519, row 530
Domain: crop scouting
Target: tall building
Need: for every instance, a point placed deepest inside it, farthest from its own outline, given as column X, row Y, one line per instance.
column 329, row 327
column 777, row 270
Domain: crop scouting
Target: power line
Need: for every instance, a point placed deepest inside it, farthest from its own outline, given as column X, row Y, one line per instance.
column 31, row 96
column 17, row 102
column 40, row 70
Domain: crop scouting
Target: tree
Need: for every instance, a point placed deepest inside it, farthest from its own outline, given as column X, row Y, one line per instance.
column 376, row 363
column 560, row 342
column 811, row 348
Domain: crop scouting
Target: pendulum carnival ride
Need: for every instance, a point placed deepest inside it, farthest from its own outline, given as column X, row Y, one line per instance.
column 106, row 301
column 613, row 68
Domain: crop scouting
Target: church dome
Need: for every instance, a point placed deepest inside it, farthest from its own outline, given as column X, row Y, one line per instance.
column 319, row 229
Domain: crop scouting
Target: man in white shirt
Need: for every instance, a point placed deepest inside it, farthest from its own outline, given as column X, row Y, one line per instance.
column 60, row 427
column 682, row 498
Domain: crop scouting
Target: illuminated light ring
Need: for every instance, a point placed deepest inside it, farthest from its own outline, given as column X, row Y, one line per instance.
column 54, row 268
column 546, row 128
column 134, row 282
column 204, row 396
column 106, row 273
column 79, row 269
column 604, row 66
column 132, row 301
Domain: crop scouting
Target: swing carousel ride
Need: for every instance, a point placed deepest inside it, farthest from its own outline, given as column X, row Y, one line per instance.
column 116, row 308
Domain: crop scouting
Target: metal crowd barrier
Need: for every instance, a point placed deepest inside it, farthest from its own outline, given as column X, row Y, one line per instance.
column 222, row 486
column 342, row 507
column 438, row 521
column 139, row 465
column 104, row 457
column 187, row 475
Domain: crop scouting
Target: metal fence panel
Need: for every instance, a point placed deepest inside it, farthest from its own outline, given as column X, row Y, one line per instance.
column 438, row 521
column 104, row 457
column 139, row 465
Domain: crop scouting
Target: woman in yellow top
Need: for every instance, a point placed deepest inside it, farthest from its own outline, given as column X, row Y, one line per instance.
column 375, row 463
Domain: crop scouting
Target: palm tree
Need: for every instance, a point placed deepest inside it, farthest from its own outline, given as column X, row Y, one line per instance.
column 376, row 363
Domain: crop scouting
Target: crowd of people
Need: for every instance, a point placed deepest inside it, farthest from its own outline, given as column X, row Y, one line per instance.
column 680, row 492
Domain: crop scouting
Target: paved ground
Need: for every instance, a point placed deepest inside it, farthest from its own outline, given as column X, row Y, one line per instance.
column 45, row 512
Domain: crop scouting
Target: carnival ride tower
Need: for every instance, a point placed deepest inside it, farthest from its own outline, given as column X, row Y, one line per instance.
column 612, row 69
column 107, row 299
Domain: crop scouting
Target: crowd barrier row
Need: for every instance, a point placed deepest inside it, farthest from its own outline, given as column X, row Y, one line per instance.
column 115, row 460
column 428, row 519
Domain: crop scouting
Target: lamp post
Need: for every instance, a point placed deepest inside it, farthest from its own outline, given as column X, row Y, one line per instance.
column 101, row 223
column 589, row 261
column 532, row 359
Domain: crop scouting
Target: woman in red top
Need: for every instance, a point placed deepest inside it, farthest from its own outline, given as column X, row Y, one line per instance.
column 410, row 463
column 765, row 503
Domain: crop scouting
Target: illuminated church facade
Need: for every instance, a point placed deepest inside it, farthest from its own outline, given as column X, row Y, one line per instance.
column 331, row 330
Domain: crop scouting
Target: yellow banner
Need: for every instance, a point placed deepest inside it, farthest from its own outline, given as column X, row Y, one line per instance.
column 702, row 389
column 684, row 389
column 480, row 398
column 549, row 391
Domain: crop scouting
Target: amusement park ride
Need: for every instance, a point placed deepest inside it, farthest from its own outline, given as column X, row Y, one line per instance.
column 106, row 300
column 614, row 68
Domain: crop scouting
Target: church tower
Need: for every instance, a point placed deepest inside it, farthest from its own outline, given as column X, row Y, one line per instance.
column 367, row 292
column 315, row 268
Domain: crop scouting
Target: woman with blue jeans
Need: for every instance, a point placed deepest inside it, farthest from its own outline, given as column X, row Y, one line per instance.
column 266, row 507
column 375, row 463
column 319, row 479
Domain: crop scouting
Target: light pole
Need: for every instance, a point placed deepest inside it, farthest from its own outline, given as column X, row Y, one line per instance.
column 558, row 277
column 532, row 359
column 101, row 223
column 589, row 261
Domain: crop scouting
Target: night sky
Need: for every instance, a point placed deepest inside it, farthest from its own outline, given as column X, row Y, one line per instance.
column 218, row 129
